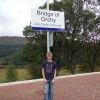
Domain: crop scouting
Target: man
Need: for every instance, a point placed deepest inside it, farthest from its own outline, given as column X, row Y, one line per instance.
column 49, row 68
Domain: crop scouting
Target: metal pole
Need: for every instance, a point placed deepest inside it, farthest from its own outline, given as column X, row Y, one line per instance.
column 48, row 45
column 47, row 4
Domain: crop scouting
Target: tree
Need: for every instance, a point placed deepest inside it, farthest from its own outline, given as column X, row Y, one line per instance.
column 69, row 46
column 93, row 45
column 11, row 74
column 35, row 47
column 33, row 51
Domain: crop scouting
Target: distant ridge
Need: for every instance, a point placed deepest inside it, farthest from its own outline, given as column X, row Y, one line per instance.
column 7, row 40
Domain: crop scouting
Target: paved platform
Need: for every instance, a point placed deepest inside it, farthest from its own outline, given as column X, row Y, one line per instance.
column 71, row 87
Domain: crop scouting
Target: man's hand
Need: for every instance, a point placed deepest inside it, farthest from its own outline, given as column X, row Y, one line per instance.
column 53, row 80
column 45, row 81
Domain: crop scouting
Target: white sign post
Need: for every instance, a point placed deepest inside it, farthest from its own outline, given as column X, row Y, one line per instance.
column 49, row 21
column 48, row 39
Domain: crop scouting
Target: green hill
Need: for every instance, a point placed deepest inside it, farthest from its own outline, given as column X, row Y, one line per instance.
column 10, row 45
column 12, row 40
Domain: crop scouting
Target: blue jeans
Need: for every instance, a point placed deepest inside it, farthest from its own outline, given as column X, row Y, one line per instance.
column 48, row 90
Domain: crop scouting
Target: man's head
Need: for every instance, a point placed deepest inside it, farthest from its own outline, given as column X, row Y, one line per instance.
column 49, row 56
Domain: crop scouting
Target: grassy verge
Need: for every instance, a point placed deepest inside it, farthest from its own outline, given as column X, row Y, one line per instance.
column 2, row 75
column 22, row 74
column 63, row 72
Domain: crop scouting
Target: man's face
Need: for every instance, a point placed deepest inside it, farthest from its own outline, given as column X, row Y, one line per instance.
column 49, row 57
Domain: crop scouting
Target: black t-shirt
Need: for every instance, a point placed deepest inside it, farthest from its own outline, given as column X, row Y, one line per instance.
column 49, row 68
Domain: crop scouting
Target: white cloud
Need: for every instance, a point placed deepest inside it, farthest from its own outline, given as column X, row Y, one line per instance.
column 15, row 15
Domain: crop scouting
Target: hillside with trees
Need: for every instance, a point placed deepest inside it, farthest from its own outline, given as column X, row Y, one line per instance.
column 9, row 47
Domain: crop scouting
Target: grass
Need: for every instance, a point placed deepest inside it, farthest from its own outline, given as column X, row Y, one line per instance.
column 2, row 75
column 22, row 74
column 63, row 72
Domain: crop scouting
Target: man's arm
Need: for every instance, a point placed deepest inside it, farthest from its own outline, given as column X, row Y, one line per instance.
column 43, row 75
column 55, row 73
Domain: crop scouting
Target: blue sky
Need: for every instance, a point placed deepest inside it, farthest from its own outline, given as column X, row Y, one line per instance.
column 16, row 14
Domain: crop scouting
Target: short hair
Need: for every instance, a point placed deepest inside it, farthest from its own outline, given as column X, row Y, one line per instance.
column 49, row 54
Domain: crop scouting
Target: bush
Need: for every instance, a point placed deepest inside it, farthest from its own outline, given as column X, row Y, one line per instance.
column 84, row 68
column 4, row 62
column 11, row 74
column 34, row 71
